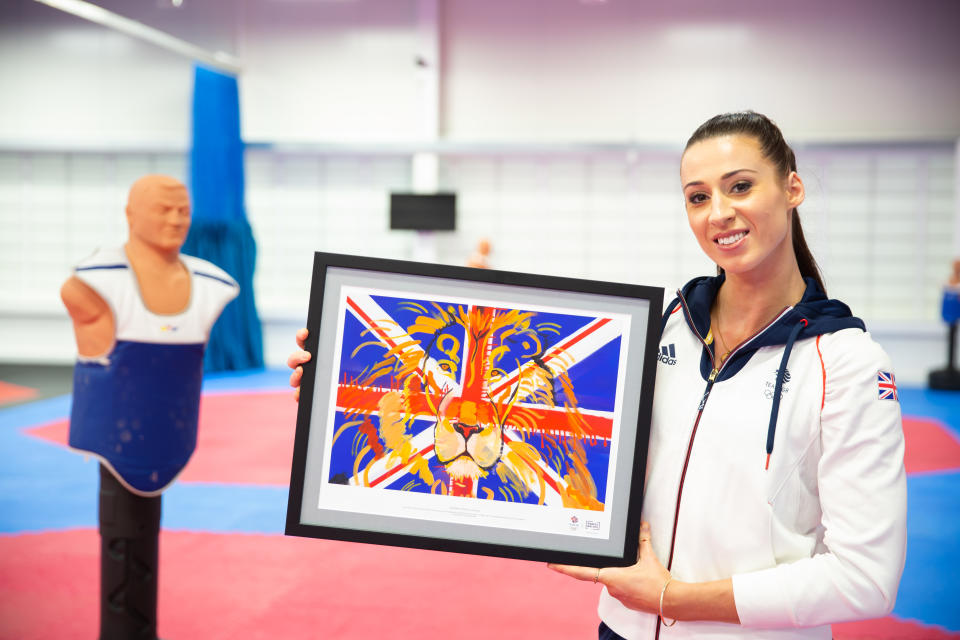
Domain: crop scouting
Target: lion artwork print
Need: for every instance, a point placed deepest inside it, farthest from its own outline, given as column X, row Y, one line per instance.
column 475, row 401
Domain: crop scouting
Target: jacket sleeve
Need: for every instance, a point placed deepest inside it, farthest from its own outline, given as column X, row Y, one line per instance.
column 861, row 480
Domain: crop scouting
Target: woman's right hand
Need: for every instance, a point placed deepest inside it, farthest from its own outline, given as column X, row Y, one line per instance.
column 296, row 359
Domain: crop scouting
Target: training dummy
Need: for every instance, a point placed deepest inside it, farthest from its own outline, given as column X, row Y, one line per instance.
column 480, row 258
column 141, row 314
column 948, row 379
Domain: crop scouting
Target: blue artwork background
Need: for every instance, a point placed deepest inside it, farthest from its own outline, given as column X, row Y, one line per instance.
column 594, row 381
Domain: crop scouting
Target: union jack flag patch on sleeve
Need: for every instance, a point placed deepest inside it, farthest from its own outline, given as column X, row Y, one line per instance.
column 887, row 386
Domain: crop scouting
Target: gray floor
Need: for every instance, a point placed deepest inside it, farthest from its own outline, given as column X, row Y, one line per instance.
column 49, row 380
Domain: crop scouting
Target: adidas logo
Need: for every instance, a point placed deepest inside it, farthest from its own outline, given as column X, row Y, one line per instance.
column 668, row 355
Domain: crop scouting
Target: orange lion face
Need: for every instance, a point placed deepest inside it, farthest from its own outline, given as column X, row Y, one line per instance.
column 467, row 438
column 496, row 367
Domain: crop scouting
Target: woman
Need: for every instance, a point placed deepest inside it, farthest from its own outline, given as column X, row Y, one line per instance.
column 776, row 495
column 775, row 499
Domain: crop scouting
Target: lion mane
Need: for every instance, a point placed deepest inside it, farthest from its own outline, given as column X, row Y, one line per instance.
column 483, row 425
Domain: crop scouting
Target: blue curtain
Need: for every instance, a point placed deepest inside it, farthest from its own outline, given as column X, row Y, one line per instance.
column 219, row 231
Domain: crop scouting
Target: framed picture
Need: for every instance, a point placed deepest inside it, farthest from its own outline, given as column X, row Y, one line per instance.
column 474, row 411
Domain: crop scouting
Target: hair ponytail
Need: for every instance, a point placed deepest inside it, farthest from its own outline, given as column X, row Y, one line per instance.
column 774, row 148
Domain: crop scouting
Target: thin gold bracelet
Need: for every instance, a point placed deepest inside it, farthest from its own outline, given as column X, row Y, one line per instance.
column 663, row 591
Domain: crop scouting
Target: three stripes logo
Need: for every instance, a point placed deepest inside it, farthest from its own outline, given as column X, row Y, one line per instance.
column 668, row 354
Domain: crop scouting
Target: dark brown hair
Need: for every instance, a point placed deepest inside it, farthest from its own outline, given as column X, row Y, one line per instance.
column 774, row 148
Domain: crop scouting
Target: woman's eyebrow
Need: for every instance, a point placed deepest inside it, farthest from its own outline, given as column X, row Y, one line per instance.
column 735, row 171
column 723, row 177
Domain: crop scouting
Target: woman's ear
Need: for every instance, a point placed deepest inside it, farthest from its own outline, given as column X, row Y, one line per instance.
column 795, row 190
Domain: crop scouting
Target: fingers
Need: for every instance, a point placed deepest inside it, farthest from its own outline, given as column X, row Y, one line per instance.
column 644, row 533
column 297, row 358
column 295, row 377
column 587, row 574
column 295, row 382
column 645, row 548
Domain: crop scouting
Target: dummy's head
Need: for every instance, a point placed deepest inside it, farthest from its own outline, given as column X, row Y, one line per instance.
column 158, row 213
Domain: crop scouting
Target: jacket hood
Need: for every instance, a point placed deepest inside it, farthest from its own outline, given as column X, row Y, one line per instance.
column 814, row 315
column 818, row 313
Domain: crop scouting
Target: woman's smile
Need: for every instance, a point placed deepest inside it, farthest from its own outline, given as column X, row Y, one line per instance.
column 732, row 240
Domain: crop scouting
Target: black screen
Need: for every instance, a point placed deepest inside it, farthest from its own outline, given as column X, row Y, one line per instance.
column 433, row 211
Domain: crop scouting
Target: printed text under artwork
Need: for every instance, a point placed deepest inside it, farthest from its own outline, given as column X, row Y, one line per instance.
column 499, row 404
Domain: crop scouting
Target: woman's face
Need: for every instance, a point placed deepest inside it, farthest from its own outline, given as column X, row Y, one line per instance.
column 738, row 205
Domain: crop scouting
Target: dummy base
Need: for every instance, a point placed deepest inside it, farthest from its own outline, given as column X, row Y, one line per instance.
column 945, row 379
column 129, row 554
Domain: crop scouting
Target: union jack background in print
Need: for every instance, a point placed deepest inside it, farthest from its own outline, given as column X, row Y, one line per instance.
column 887, row 386
column 545, row 382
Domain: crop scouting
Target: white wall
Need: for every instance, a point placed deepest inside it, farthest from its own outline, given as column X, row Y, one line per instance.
column 650, row 71
column 314, row 71
column 340, row 71
column 858, row 85
column 878, row 217
column 67, row 83
column 558, row 70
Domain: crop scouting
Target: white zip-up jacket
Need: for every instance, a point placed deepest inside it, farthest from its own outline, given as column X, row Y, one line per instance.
column 802, row 504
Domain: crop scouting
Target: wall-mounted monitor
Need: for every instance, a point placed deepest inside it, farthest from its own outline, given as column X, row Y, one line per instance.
column 423, row 211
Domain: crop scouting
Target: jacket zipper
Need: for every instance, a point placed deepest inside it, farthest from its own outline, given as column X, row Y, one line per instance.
column 683, row 474
column 703, row 401
column 686, row 461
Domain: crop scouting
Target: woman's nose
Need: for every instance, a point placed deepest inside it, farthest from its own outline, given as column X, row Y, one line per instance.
column 721, row 210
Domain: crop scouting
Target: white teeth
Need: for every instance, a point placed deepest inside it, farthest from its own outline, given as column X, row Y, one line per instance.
column 731, row 239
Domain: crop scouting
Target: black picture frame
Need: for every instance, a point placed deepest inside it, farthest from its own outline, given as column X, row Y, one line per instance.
column 605, row 337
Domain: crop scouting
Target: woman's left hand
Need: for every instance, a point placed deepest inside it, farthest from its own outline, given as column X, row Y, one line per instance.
column 637, row 586
column 296, row 359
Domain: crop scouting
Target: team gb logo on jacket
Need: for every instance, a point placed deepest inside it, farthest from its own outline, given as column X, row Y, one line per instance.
column 771, row 385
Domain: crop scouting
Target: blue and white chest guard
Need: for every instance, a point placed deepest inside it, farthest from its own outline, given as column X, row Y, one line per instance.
column 136, row 407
